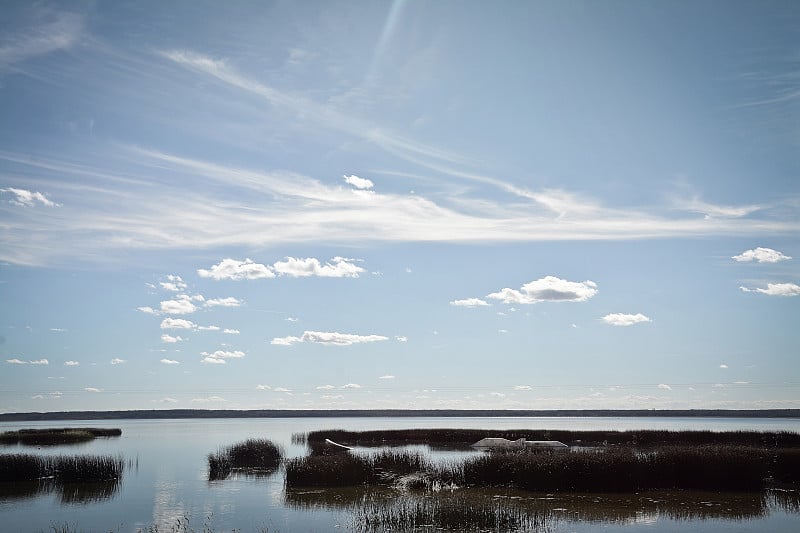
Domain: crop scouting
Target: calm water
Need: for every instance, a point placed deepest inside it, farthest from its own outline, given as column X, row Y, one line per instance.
column 166, row 480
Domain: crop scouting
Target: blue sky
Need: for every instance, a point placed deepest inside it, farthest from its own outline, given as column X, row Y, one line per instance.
column 399, row 205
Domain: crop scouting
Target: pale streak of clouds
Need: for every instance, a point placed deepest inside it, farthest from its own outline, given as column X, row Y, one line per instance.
column 26, row 198
column 55, row 30
column 469, row 302
column 776, row 289
column 327, row 338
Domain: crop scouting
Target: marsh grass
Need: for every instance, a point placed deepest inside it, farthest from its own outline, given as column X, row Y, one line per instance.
column 640, row 438
column 349, row 469
column 62, row 469
column 252, row 455
column 56, row 436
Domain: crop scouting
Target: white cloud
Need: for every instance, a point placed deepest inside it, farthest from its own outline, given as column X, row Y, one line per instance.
column 292, row 319
column 93, row 389
column 209, row 399
column 401, row 338
column 623, row 319
column 27, row 198
column 71, row 363
column 497, row 394
column 170, row 362
column 230, row 301
column 547, row 289
column 761, row 255
column 338, row 267
column 147, row 310
column 351, row 386
column 118, row 361
column 170, row 338
column 502, row 331
column 777, row 289
column 231, row 331
column 181, row 305
column 328, row 338
column 469, row 302
column 167, row 399
column 209, row 328
column 220, row 356
column 332, row 397
column 40, row 362
column 16, row 362
column 387, row 376
column 177, row 323
column 358, row 183
column 173, row 283
column 664, row 386
column 58, row 330
column 282, row 389
column 263, row 387
column 234, row 269
column 523, row 387
column 326, row 387
column 723, row 365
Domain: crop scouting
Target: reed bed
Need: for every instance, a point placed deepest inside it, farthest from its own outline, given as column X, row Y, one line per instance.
column 253, row 455
column 62, row 469
column 348, row 469
column 641, row 438
column 56, row 436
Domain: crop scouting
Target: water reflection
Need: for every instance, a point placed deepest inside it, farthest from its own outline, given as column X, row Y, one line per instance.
column 509, row 510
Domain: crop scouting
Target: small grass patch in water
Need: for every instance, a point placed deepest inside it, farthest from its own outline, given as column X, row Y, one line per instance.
column 56, row 436
column 251, row 455
column 349, row 469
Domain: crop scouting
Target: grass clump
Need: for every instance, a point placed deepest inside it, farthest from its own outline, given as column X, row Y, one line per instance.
column 56, row 436
column 253, row 455
column 349, row 469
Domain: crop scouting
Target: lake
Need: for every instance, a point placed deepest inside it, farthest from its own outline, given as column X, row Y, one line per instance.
column 166, row 482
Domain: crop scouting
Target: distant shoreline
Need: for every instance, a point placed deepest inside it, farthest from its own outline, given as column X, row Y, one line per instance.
column 395, row 413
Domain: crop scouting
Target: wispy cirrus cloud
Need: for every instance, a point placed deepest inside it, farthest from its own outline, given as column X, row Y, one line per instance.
column 51, row 30
column 327, row 338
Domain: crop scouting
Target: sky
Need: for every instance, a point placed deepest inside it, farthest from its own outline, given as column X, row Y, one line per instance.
column 399, row 204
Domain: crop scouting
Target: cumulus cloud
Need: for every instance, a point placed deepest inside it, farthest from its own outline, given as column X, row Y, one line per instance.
column 71, row 363
column 183, row 304
column 208, row 328
column 327, row 338
column 173, row 283
column 220, row 356
column 170, row 339
column 93, row 389
column 234, row 269
column 231, row 331
column 118, row 361
column 623, row 319
column 358, row 183
column 25, row 198
column 776, row 289
column 16, row 361
column 325, row 387
column 338, row 267
column 761, row 255
column 177, row 323
column 547, row 289
column 147, row 310
column 169, row 362
column 469, row 302
column 40, row 362
column 230, row 301
column 351, row 386
column 664, row 386
column 263, row 387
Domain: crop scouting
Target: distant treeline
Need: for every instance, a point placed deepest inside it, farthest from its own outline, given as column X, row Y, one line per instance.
column 344, row 413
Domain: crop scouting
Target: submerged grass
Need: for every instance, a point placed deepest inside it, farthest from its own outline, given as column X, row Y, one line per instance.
column 56, row 436
column 252, row 454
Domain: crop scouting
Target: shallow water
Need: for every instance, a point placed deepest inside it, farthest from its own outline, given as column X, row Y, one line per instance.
column 166, row 480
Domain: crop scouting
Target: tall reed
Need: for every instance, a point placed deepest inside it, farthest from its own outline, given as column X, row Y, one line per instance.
column 252, row 454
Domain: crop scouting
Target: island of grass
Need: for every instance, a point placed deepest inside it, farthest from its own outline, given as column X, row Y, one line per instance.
column 252, row 456
column 602, row 461
column 56, row 436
